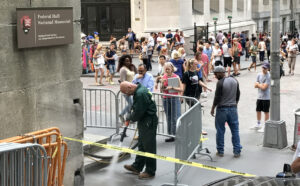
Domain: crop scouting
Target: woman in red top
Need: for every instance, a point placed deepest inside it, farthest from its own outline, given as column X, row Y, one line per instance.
column 171, row 104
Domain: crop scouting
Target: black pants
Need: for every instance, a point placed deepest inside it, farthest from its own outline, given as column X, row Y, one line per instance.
column 145, row 62
column 147, row 143
column 261, row 55
column 149, row 65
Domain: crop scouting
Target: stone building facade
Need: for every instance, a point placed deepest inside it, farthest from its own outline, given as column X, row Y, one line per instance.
column 41, row 87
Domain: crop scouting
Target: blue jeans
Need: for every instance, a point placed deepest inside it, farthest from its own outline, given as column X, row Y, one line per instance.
column 229, row 115
column 128, row 106
column 261, row 55
column 173, row 112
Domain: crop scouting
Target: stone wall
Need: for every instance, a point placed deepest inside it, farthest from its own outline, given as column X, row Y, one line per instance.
column 38, row 86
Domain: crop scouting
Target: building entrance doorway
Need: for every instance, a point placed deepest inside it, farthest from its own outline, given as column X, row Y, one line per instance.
column 107, row 17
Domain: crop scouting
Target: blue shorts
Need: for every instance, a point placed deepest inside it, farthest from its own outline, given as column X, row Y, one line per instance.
column 112, row 69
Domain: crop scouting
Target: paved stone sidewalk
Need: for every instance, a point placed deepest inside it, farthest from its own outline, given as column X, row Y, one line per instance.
column 254, row 159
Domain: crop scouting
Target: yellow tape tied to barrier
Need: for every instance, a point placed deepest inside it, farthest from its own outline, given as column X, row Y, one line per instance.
column 165, row 158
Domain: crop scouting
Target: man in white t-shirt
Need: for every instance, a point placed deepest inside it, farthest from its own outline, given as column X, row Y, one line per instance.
column 161, row 42
column 151, row 40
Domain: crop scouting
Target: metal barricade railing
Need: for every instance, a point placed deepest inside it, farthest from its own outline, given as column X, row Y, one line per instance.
column 100, row 108
column 188, row 134
column 23, row 164
column 159, row 98
column 55, row 147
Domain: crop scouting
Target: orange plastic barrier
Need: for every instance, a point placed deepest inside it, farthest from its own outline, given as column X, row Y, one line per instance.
column 57, row 151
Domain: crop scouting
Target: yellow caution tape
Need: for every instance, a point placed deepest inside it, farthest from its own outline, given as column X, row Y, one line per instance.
column 165, row 158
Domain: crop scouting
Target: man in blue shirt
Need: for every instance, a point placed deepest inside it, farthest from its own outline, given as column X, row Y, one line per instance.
column 169, row 37
column 144, row 78
column 130, row 37
column 111, row 63
column 208, row 51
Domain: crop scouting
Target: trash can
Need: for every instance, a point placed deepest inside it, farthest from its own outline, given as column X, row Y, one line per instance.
column 297, row 127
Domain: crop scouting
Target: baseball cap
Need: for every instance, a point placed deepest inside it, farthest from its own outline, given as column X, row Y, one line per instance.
column 266, row 65
column 96, row 33
column 90, row 38
column 219, row 69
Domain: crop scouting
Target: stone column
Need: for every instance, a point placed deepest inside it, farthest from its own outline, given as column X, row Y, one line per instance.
column 245, row 8
column 249, row 10
column 222, row 10
column 207, row 10
column 234, row 9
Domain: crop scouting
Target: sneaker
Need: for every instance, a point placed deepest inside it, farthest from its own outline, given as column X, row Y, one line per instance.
column 111, row 82
column 256, row 127
column 262, row 130
column 204, row 94
column 204, row 132
column 220, row 154
column 171, row 139
column 237, row 155
column 132, row 169
column 145, row 176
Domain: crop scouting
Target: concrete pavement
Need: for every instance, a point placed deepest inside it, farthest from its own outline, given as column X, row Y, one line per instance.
column 254, row 159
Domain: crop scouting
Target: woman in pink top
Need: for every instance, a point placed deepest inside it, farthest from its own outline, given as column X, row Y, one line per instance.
column 171, row 104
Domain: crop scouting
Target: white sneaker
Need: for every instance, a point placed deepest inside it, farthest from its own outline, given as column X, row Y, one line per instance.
column 204, row 94
column 256, row 127
column 262, row 130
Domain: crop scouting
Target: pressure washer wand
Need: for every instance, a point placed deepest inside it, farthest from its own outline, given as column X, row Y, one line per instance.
column 123, row 135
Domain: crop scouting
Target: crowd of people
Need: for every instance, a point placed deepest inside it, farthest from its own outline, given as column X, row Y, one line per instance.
column 183, row 76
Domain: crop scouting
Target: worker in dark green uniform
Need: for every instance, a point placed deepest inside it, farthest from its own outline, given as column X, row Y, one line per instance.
column 144, row 112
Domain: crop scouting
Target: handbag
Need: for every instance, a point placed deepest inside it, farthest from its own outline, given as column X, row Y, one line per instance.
column 143, row 55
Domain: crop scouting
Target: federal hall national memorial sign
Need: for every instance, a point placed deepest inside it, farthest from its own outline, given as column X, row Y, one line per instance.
column 44, row 26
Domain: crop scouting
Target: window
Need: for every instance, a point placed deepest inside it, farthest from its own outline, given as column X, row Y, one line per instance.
column 198, row 6
column 266, row 2
column 265, row 26
column 240, row 5
column 228, row 5
column 283, row 24
column 214, row 6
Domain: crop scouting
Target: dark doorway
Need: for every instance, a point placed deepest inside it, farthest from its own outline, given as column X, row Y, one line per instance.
column 108, row 17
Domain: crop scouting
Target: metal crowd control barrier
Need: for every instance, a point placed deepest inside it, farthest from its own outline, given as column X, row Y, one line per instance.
column 189, row 124
column 23, row 164
column 161, row 113
column 188, row 134
column 100, row 108
column 56, row 150
column 296, row 128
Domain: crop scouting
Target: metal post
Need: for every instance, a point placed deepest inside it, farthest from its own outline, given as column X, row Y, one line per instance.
column 195, row 38
column 207, row 27
column 215, row 22
column 229, row 18
column 275, row 64
column 275, row 129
